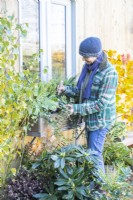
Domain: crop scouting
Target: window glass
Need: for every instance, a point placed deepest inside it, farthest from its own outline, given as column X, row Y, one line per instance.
column 30, row 44
column 58, row 40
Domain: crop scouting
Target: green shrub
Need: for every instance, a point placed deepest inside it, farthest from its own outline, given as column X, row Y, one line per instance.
column 72, row 169
column 115, row 152
column 117, row 185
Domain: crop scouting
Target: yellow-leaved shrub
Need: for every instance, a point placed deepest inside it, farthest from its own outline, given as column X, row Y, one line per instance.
column 124, row 97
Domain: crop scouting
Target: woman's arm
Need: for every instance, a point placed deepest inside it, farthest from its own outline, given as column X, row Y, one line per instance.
column 106, row 96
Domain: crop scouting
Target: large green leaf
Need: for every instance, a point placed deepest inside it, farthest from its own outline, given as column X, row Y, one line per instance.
column 54, row 157
column 69, row 196
column 63, row 174
column 62, row 163
column 63, row 188
column 41, row 196
column 81, row 190
column 61, row 182
column 57, row 163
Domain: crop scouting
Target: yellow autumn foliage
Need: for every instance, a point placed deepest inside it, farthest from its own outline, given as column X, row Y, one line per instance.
column 124, row 97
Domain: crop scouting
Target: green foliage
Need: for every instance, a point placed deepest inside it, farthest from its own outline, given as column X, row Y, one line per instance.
column 115, row 152
column 23, row 98
column 69, row 173
column 117, row 132
column 50, row 195
column 61, row 118
column 72, row 169
column 117, row 185
column 9, row 41
column 71, row 81
column 11, row 110
column 32, row 62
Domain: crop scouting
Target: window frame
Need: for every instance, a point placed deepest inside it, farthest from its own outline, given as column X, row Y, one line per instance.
column 45, row 44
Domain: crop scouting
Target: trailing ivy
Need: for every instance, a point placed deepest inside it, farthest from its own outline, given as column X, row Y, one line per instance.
column 23, row 97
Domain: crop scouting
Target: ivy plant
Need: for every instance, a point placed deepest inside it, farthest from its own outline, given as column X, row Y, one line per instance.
column 22, row 97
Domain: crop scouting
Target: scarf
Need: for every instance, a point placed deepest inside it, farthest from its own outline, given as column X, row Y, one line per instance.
column 92, row 69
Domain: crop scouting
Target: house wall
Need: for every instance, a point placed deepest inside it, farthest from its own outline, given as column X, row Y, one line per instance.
column 112, row 21
column 10, row 5
column 109, row 20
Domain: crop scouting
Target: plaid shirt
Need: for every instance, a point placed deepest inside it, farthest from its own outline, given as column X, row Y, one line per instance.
column 99, row 111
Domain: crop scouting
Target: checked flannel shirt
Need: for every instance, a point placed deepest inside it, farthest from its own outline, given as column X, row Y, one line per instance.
column 99, row 111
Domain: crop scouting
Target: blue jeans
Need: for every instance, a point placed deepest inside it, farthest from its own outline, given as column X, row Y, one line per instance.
column 95, row 141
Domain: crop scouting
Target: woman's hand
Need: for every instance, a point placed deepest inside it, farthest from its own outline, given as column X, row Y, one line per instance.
column 70, row 108
column 60, row 88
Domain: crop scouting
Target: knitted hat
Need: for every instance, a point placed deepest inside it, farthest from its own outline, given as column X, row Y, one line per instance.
column 90, row 47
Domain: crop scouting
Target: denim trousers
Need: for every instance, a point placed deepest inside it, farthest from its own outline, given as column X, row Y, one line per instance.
column 95, row 141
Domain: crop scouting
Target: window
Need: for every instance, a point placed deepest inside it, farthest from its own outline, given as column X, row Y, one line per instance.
column 29, row 13
column 56, row 32
column 58, row 40
column 52, row 28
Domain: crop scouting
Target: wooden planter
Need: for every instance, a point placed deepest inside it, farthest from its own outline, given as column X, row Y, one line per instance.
column 40, row 128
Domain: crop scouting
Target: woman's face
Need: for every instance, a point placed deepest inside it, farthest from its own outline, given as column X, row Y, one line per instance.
column 89, row 60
